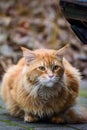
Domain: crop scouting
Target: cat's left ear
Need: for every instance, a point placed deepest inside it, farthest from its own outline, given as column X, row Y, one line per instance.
column 61, row 52
column 28, row 54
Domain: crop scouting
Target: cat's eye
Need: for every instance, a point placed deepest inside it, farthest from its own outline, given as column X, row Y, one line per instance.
column 55, row 67
column 42, row 68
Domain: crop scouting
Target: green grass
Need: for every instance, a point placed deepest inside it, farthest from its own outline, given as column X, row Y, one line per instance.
column 83, row 93
column 1, row 107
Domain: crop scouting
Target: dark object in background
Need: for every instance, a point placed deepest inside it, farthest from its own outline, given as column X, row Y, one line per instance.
column 75, row 11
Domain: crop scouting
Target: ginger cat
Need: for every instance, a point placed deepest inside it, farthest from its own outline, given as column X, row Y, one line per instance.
column 43, row 85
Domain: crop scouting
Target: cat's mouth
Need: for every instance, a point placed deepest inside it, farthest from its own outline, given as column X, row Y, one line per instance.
column 48, row 82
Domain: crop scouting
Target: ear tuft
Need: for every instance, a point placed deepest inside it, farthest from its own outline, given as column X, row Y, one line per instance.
column 61, row 52
column 24, row 49
column 28, row 54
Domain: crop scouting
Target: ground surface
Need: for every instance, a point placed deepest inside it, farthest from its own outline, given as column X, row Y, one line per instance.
column 10, row 123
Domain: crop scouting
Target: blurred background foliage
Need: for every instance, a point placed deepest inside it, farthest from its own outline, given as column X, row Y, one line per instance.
column 36, row 24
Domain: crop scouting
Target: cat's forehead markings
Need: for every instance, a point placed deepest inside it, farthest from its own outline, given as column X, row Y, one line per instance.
column 44, row 63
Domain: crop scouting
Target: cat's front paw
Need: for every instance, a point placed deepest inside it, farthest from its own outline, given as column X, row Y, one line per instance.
column 57, row 119
column 31, row 119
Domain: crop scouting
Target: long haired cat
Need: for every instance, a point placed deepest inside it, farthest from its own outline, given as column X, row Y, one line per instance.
column 43, row 85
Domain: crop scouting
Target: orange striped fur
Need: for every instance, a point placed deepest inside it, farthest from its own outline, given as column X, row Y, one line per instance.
column 43, row 85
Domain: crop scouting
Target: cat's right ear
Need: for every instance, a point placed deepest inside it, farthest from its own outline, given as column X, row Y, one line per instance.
column 28, row 55
column 61, row 52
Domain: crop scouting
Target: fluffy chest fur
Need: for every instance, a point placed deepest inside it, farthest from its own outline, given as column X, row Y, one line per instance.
column 45, row 101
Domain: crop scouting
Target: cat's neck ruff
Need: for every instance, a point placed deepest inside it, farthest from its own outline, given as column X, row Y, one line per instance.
column 38, row 90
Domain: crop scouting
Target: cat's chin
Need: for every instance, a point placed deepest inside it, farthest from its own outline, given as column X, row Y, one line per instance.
column 49, row 84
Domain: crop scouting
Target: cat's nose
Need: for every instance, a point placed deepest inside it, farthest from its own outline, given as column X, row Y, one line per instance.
column 51, row 76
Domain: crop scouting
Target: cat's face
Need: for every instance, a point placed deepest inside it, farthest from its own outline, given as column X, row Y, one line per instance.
column 50, row 71
column 43, row 67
